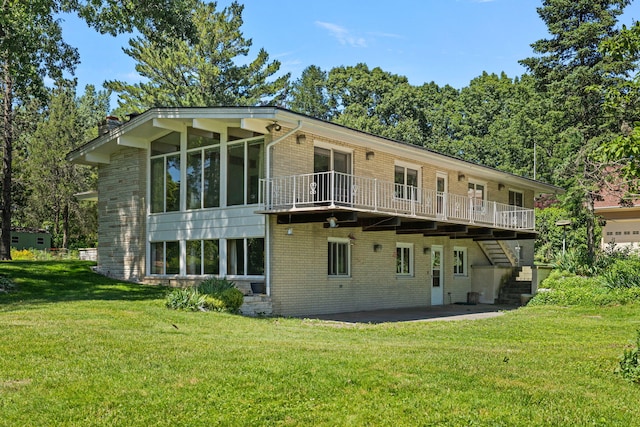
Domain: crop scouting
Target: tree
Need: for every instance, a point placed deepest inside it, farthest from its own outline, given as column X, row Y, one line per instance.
column 202, row 71
column 309, row 94
column 567, row 68
column 32, row 48
column 51, row 179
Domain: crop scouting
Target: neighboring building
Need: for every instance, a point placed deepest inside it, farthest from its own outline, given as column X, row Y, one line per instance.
column 621, row 220
column 30, row 238
column 319, row 217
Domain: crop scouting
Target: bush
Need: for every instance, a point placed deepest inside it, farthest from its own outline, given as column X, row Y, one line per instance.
column 215, row 286
column 564, row 288
column 623, row 273
column 186, row 299
column 209, row 295
column 630, row 364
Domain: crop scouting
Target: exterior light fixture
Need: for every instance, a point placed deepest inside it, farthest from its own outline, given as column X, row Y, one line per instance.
column 369, row 155
column 461, row 176
column 289, row 231
column 377, row 247
column 301, row 138
column 333, row 222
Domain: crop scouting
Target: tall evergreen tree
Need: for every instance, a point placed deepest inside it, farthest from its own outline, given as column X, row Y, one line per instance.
column 567, row 68
column 32, row 48
column 309, row 94
column 203, row 71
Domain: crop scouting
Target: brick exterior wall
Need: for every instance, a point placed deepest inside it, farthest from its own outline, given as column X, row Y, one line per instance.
column 122, row 215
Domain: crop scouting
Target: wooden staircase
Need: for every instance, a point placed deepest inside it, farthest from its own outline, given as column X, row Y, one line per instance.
column 518, row 283
column 498, row 253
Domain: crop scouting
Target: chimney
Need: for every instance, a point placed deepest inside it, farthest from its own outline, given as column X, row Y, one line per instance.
column 109, row 123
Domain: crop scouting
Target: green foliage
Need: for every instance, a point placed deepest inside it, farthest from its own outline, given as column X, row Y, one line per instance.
column 186, row 299
column 209, row 295
column 203, row 71
column 623, row 273
column 6, row 285
column 567, row 289
column 215, row 285
column 629, row 367
column 548, row 246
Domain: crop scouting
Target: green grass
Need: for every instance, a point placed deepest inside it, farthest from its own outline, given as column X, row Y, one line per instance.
column 79, row 349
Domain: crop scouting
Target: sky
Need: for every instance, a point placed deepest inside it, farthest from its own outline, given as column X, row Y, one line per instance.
column 442, row 41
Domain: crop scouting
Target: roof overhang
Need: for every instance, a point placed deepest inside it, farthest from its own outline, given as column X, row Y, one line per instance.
column 155, row 122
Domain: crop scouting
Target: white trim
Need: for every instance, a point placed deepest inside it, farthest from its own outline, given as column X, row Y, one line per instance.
column 465, row 261
column 410, row 246
column 344, row 241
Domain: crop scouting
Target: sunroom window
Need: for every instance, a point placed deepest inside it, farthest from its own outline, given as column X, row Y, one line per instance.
column 203, row 169
column 245, row 167
column 165, row 173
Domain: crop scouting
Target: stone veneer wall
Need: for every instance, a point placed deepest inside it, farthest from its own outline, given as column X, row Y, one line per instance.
column 121, row 215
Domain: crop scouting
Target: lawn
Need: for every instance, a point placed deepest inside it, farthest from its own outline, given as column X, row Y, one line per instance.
column 79, row 349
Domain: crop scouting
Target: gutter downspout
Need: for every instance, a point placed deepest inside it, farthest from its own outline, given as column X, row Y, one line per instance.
column 267, row 231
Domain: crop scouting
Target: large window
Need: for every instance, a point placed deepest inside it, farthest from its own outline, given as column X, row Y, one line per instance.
column 203, row 257
column 459, row 261
column 203, row 169
column 477, row 195
column 165, row 258
column 339, row 257
column 244, row 169
column 406, row 180
column 245, row 257
column 404, row 259
column 516, row 198
column 165, row 173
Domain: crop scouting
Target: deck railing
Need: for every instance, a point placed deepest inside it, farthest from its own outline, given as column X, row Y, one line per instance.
column 339, row 189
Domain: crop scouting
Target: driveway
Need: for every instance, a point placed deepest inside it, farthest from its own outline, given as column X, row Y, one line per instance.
column 420, row 314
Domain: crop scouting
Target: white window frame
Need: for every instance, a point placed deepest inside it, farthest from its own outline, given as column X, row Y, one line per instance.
column 465, row 261
column 405, row 186
column 475, row 205
column 400, row 251
column 513, row 190
column 341, row 242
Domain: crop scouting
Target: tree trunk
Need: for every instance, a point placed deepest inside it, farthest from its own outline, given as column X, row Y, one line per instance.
column 65, row 227
column 7, row 139
column 591, row 229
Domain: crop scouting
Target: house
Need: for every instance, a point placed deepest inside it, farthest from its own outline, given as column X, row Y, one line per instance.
column 30, row 238
column 621, row 217
column 305, row 216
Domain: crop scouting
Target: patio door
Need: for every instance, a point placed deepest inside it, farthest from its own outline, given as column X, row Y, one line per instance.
column 324, row 161
column 437, row 276
column 441, row 195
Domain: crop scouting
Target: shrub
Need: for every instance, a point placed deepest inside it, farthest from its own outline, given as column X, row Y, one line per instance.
column 22, row 255
column 622, row 273
column 564, row 288
column 210, row 295
column 214, row 286
column 186, row 299
column 233, row 299
column 6, row 284
column 630, row 364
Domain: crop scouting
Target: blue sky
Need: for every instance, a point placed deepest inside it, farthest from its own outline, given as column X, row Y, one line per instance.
column 445, row 41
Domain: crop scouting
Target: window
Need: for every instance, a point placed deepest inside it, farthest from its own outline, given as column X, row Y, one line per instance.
column 165, row 258
column 203, row 257
column 165, row 173
column 40, row 241
column 15, row 239
column 406, row 180
column 477, row 195
column 404, row 259
column 516, row 198
column 339, row 257
column 245, row 257
column 245, row 167
column 636, row 232
column 459, row 261
column 203, row 169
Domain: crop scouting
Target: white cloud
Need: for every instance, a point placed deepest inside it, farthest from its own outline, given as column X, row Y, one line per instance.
column 343, row 35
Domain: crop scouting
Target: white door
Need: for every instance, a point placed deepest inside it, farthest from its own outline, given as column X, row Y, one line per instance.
column 437, row 276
